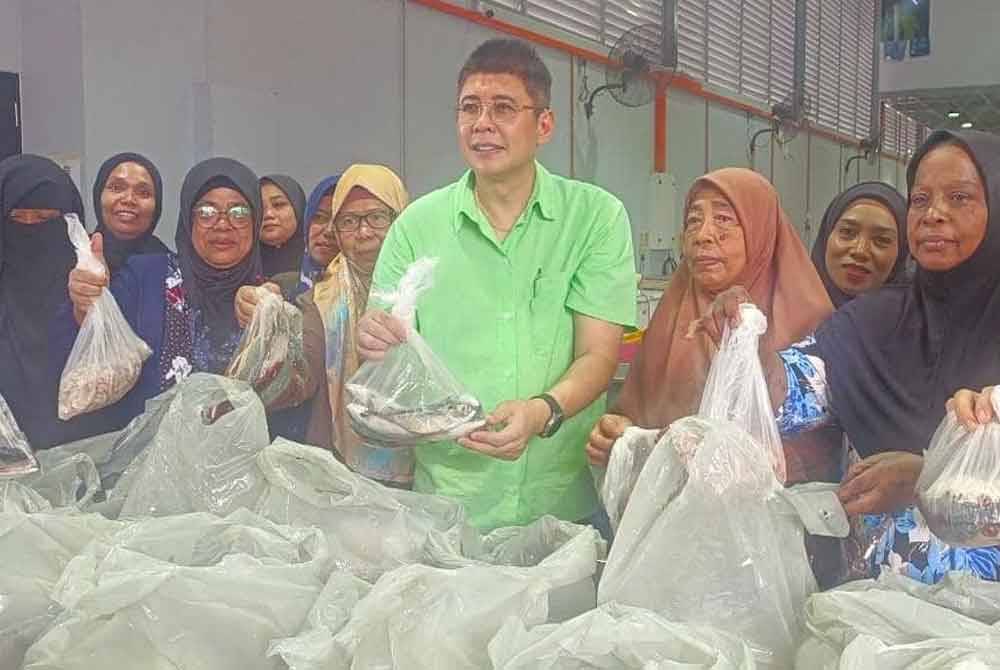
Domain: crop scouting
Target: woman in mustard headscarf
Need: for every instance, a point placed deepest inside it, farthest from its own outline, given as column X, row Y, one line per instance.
column 368, row 198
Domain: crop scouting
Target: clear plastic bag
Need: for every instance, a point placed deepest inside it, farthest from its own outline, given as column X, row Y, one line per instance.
column 371, row 529
column 202, row 457
column 191, row 591
column 628, row 456
column 410, row 397
column 896, row 611
column 270, row 356
column 617, row 636
column 16, row 455
column 424, row 618
column 958, row 491
column 107, row 356
column 709, row 506
column 34, row 550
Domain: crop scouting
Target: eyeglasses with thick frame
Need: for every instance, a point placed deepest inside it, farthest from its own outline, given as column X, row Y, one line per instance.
column 207, row 215
column 377, row 219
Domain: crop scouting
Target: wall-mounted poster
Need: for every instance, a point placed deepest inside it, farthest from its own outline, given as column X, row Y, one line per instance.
column 906, row 27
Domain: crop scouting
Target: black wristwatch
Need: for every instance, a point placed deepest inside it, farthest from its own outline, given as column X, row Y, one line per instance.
column 555, row 419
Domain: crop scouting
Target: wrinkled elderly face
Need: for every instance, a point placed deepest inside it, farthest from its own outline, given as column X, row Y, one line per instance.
column 863, row 247
column 361, row 227
column 225, row 239
column 714, row 245
column 128, row 201
column 948, row 213
column 279, row 222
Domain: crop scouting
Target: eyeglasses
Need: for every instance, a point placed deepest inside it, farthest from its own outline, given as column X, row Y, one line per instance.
column 378, row 219
column 500, row 111
column 238, row 216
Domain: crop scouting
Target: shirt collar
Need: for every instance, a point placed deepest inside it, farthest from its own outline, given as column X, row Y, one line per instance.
column 542, row 198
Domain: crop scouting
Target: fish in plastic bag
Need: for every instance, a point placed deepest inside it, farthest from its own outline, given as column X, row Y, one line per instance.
column 270, row 355
column 107, row 356
column 958, row 491
column 410, row 397
column 16, row 455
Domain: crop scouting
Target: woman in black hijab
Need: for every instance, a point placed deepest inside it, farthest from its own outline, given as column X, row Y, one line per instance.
column 35, row 259
column 884, row 365
column 182, row 304
column 128, row 199
column 282, row 235
column 861, row 243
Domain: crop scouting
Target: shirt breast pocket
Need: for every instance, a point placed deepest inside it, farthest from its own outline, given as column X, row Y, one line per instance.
column 549, row 316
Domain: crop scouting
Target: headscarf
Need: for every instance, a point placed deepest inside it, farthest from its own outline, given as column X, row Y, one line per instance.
column 895, row 356
column 668, row 376
column 871, row 190
column 287, row 257
column 341, row 295
column 35, row 261
column 311, row 270
column 209, row 290
column 116, row 251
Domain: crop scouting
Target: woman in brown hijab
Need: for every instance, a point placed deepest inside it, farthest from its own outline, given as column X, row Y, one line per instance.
column 735, row 233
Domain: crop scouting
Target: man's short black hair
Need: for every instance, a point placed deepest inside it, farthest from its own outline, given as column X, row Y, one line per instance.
column 507, row 56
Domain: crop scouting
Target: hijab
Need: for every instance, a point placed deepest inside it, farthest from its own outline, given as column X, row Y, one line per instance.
column 668, row 376
column 117, row 251
column 895, row 356
column 209, row 290
column 288, row 256
column 870, row 190
column 35, row 261
column 341, row 295
column 311, row 270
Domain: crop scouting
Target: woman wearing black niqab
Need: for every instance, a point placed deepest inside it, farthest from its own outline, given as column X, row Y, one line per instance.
column 128, row 200
column 35, row 260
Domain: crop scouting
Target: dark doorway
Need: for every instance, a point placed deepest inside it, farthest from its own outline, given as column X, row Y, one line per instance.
column 10, row 115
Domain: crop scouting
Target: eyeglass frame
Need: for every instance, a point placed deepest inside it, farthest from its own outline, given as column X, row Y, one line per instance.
column 489, row 106
column 219, row 214
column 332, row 223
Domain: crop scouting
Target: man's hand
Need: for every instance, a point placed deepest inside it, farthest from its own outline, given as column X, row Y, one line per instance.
column 517, row 420
column 247, row 299
column 603, row 436
column 85, row 287
column 973, row 409
column 881, row 483
column 378, row 332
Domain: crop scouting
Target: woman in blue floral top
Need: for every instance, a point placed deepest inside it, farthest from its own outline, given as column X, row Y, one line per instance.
column 181, row 304
column 883, row 366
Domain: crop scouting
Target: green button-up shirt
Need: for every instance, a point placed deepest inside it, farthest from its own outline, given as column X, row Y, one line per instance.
column 500, row 316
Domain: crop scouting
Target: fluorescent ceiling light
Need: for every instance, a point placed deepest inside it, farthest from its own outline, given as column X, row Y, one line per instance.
column 967, row 124
column 953, row 115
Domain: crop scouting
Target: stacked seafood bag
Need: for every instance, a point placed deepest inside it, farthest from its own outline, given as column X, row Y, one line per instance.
column 410, row 396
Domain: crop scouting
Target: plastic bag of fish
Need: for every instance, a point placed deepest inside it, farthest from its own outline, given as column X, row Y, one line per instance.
column 16, row 456
column 410, row 396
column 958, row 492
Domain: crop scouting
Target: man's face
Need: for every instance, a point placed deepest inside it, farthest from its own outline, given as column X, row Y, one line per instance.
column 499, row 127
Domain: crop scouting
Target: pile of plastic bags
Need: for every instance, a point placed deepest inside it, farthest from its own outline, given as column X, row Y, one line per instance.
column 207, row 533
column 897, row 623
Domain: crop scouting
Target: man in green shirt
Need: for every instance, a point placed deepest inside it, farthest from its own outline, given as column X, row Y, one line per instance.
column 534, row 283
